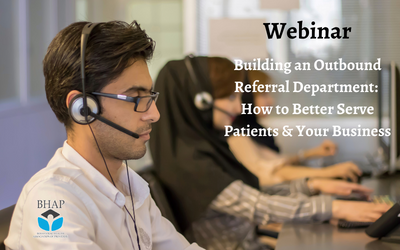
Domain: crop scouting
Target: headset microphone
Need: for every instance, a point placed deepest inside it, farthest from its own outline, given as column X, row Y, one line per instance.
column 224, row 111
column 116, row 126
column 77, row 112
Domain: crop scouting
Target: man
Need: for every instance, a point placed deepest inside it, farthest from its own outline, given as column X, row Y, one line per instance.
column 86, row 197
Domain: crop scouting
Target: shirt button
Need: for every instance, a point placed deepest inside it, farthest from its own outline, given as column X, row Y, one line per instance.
column 120, row 199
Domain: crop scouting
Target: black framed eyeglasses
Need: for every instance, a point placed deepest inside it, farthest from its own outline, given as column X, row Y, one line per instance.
column 142, row 103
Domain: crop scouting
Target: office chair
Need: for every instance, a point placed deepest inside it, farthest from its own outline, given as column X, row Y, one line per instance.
column 5, row 220
column 158, row 194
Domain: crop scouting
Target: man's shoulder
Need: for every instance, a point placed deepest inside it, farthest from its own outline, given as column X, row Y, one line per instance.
column 56, row 186
column 56, row 191
column 59, row 172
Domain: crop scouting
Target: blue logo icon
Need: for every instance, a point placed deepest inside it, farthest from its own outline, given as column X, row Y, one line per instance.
column 50, row 222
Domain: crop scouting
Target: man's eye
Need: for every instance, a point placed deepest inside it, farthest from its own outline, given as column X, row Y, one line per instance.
column 142, row 94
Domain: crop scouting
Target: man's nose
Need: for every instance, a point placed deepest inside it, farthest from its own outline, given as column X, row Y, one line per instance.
column 152, row 114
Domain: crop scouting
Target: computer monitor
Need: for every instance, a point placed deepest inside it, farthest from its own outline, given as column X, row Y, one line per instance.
column 389, row 113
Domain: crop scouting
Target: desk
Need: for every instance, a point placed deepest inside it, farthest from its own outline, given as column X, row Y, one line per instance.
column 328, row 237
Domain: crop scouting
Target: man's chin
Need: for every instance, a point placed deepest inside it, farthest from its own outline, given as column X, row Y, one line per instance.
column 138, row 152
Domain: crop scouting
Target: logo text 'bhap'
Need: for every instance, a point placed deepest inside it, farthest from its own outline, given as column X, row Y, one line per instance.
column 50, row 204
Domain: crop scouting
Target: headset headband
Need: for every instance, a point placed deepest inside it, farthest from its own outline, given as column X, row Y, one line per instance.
column 84, row 38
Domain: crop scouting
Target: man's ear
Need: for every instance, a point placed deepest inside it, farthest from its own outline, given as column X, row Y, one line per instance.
column 70, row 96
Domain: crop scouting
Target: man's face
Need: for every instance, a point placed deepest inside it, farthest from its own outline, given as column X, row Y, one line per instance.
column 134, row 81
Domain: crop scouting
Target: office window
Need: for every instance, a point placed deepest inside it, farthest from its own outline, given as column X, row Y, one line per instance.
column 27, row 28
column 46, row 19
column 41, row 30
column 374, row 34
column 162, row 20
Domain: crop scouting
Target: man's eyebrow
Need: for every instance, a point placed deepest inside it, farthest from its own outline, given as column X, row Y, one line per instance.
column 136, row 88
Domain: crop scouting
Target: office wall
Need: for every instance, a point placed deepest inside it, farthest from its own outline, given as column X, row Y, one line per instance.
column 28, row 139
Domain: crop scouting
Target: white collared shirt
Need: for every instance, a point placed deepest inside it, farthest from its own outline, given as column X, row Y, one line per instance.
column 71, row 205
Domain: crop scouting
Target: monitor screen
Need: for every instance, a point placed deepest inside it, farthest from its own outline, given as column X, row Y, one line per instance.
column 384, row 103
column 388, row 113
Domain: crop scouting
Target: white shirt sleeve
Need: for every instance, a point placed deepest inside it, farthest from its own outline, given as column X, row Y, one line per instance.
column 165, row 236
column 67, row 224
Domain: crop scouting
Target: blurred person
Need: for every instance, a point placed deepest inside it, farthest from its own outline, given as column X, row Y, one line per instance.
column 218, row 201
column 87, row 197
column 262, row 149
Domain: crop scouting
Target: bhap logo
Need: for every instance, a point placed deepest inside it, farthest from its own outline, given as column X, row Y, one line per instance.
column 50, row 221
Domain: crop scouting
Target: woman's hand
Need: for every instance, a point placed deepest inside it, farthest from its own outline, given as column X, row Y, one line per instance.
column 337, row 187
column 357, row 210
column 326, row 148
column 265, row 170
column 343, row 170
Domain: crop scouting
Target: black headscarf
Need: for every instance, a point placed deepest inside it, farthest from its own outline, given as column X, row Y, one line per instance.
column 243, row 120
column 192, row 160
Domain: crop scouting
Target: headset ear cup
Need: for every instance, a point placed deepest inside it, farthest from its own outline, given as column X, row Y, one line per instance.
column 203, row 100
column 76, row 107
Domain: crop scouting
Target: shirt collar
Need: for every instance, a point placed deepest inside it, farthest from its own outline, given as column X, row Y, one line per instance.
column 140, row 189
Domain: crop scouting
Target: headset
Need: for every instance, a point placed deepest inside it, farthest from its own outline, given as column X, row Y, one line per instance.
column 85, row 109
column 203, row 100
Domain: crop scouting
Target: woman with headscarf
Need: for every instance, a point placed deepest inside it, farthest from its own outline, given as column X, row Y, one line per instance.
column 214, row 197
column 265, row 148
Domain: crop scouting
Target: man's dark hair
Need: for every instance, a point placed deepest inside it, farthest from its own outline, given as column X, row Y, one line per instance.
column 111, row 48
